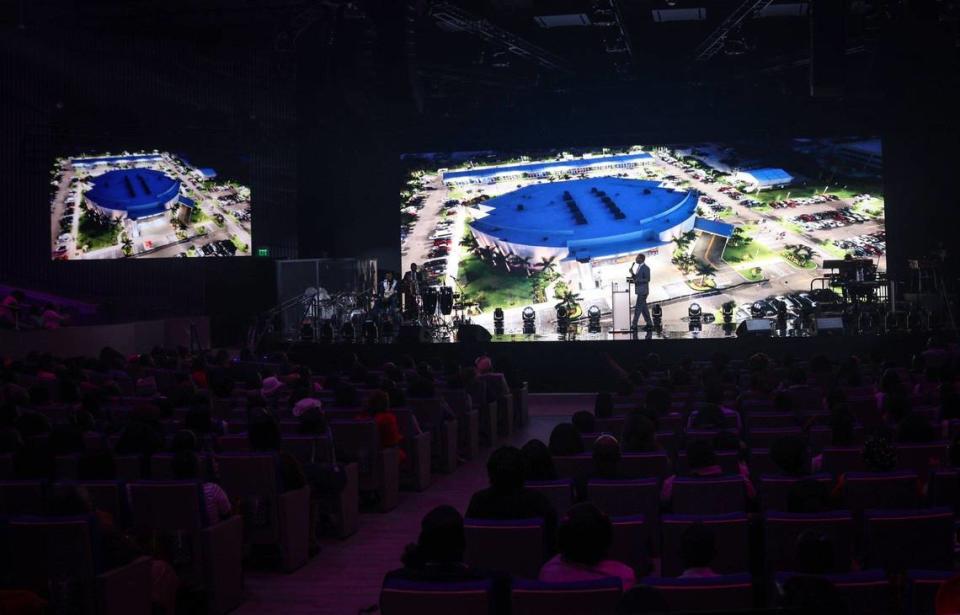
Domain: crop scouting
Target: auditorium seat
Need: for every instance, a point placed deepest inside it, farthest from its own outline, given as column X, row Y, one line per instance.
column 920, row 590
column 644, row 465
column 22, row 497
column 572, row 466
column 57, row 557
column 271, row 517
column 619, row 497
column 921, row 458
column 732, row 542
column 416, row 474
column 468, row 421
column 771, row 420
column 733, row 592
column 108, row 496
column 521, row 405
column 499, row 394
column 513, row 546
column 868, row 592
column 897, row 540
column 403, row 597
column 774, row 489
column 781, row 530
column 842, row 459
column 486, row 410
column 764, row 438
column 708, row 496
column 633, row 542
column 559, row 492
column 613, row 425
column 945, row 488
column 881, row 490
column 379, row 468
column 599, row 596
column 207, row 557
column 434, row 415
column 727, row 460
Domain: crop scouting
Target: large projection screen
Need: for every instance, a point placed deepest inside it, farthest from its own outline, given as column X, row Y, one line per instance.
column 719, row 223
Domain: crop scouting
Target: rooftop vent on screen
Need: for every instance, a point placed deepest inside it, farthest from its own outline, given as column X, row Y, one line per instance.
column 562, row 21
column 686, row 14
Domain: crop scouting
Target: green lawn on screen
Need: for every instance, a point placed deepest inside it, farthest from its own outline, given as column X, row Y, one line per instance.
column 96, row 234
column 494, row 287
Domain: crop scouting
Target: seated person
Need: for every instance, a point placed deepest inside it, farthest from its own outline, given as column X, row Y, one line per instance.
column 216, row 504
column 565, row 440
column 507, row 498
column 584, row 421
column 702, row 462
column 263, row 433
column 378, row 408
column 789, row 453
column 639, row 435
column 606, row 464
column 697, row 549
column 537, row 461
column 583, row 539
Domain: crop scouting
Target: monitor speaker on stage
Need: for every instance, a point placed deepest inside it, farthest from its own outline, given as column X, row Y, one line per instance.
column 830, row 325
column 473, row 333
column 413, row 334
column 755, row 326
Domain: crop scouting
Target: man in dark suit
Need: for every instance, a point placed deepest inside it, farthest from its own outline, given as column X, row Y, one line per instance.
column 640, row 273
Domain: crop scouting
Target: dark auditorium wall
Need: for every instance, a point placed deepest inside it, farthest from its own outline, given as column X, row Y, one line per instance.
column 95, row 76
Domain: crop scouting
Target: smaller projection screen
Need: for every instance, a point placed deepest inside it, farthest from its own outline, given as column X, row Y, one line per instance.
column 145, row 205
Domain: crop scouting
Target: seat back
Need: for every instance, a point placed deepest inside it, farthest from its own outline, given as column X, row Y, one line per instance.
column 632, row 541
column 862, row 490
column 253, row 480
column 921, row 458
column 775, row 489
column 731, row 532
column 897, row 540
column 559, row 492
column 572, row 466
column 645, row 465
column 171, row 513
column 781, row 530
column 619, row 497
column 161, row 466
column 771, row 420
column 513, row 546
column 458, row 400
column 764, row 438
column 612, row 425
column 732, row 592
column 727, row 460
column 842, row 459
column 22, row 497
column 129, row 467
column 105, row 495
column 868, row 592
column 599, row 596
column 762, row 463
column 922, row 586
column 55, row 557
column 400, row 597
column 430, row 412
column 309, row 449
column 356, row 440
column 234, row 443
column 945, row 488
column 708, row 496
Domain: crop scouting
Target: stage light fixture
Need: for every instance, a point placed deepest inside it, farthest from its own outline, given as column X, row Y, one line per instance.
column 498, row 321
column 656, row 313
column 726, row 311
column 562, row 314
column 756, row 310
column 695, row 312
column 529, row 316
column 593, row 319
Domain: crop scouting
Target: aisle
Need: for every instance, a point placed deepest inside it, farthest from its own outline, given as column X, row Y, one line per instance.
column 346, row 575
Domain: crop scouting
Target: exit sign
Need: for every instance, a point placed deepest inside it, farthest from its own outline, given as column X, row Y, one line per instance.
column 263, row 251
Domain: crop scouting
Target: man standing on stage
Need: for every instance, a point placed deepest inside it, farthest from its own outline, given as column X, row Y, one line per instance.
column 412, row 286
column 388, row 293
column 640, row 273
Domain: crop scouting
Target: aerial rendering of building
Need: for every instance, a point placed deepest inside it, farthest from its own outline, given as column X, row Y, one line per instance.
column 133, row 193
column 584, row 218
column 760, row 179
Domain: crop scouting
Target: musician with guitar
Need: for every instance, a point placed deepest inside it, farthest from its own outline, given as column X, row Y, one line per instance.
column 640, row 276
column 412, row 286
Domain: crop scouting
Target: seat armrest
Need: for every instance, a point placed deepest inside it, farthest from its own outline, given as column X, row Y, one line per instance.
column 222, row 570
column 388, row 478
column 125, row 589
column 294, row 528
column 418, row 448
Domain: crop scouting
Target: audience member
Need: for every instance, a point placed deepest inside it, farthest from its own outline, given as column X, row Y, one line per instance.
column 217, row 506
column 507, row 498
column 263, row 433
column 702, row 462
column 565, row 440
column 378, row 408
column 639, row 435
column 583, row 539
column 584, row 421
column 538, row 462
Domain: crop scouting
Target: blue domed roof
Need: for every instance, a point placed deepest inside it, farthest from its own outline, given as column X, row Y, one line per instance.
column 138, row 192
